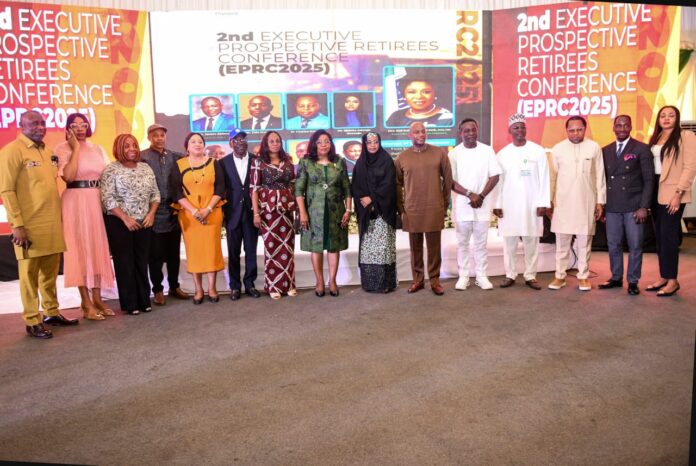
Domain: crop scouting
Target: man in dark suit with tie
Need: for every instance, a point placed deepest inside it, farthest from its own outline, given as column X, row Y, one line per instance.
column 260, row 108
column 214, row 119
column 239, row 216
column 630, row 175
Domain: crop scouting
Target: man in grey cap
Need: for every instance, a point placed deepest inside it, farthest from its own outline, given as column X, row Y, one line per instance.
column 166, row 233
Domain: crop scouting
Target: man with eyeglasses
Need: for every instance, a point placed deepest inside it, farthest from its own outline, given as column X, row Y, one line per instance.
column 165, row 245
column 28, row 173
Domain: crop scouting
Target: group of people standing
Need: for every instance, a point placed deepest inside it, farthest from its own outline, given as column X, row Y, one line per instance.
column 136, row 209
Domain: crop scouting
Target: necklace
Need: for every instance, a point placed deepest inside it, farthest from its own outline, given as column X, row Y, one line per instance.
column 193, row 171
column 425, row 112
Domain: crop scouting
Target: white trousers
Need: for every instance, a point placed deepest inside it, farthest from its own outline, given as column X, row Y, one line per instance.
column 480, row 233
column 531, row 250
column 584, row 248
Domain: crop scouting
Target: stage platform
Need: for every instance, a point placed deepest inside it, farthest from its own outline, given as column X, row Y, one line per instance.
column 348, row 273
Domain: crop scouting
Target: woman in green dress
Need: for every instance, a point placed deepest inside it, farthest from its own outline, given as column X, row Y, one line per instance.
column 323, row 197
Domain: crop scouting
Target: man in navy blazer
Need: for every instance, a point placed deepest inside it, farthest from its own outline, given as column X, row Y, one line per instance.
column 239, row 216
column 630, row 175
column 260, row 108
column 214, row 119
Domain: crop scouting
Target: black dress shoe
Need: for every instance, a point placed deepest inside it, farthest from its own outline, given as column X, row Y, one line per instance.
column 611, row 283
column 664, row 294
column 60, row 320
column 235, row 295
column 656, row 288
column 253, row 292
column 633, row 289
column 39, row 331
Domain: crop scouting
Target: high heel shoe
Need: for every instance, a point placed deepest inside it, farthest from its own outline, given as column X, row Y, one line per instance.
column 664, row 294
column 656, row 287
column 197, row 301
column 213, row 299
column 333, row 293
column 103, row 310
column 94, row 315
column 320, row 294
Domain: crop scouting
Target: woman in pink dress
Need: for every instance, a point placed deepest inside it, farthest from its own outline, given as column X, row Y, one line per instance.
column 87, row 263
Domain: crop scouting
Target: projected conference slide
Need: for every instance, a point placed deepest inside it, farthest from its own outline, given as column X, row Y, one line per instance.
column 60, row 60
column 347, row 71
column 592, row 59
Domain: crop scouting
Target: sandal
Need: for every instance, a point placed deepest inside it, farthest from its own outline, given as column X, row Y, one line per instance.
column 103, row 310
column 292, row 293
column 94, row 315
column 274, row 295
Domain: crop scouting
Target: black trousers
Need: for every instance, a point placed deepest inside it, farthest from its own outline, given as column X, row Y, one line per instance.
column 165, row 248
column 667, row 239
column 130, row 251
column 246, row 233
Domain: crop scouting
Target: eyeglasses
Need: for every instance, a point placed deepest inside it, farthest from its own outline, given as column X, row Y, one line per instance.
column 79, row 126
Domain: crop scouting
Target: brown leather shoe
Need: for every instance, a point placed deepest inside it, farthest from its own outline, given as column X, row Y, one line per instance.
column 533, row 284
column 507, row 282
column 159, row 299
column 39, row 331
column 415, row 287
column 437, row 289
column 178, row 293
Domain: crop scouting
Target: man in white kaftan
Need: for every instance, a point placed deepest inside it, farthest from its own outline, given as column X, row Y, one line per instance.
column 523, row 196
column 578, row 192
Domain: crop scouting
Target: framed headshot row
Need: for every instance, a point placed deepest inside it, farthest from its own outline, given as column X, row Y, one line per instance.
column 409, row 93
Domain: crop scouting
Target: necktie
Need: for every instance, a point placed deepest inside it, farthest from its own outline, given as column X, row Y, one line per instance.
column 209, row 127
column 619, row 148
column 305, row 122
column 257, row 125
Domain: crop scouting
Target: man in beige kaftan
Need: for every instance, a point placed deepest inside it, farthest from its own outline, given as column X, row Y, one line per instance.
column 578, row 192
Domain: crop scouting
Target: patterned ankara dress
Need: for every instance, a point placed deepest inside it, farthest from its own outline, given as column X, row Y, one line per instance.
column 274, row 185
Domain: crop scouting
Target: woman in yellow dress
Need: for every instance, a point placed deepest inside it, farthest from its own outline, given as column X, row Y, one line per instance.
column 198, row 186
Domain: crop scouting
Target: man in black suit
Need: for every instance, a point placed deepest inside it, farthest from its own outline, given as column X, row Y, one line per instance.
column 239, row 216
column 630, row 175
column 260, row 108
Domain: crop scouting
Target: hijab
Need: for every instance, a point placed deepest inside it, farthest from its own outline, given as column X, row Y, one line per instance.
column 374, row 175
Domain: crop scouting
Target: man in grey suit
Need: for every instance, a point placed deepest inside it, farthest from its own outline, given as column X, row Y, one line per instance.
column 630, row 176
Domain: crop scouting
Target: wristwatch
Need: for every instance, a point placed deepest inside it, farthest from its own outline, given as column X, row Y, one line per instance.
column 680, row 191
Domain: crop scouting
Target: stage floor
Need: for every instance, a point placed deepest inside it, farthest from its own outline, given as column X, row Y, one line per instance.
column 348, row 273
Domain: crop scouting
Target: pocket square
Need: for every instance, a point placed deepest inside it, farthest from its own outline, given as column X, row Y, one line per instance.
column 627, row 157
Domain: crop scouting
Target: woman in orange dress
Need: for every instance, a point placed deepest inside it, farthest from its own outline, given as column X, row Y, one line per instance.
column 87, row 262
column 198, row 186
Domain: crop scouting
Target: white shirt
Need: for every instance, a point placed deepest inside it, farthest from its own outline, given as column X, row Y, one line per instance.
column 656, row 158
column 242, row 165
column 471, row 168
column 263, row 121
column 523, row 186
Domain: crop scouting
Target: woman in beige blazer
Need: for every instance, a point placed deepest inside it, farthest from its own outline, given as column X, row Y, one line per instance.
column 674, row 152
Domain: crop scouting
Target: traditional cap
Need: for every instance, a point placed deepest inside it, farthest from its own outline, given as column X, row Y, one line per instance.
column 151, row 128
column 237, row 132
column 516, row 118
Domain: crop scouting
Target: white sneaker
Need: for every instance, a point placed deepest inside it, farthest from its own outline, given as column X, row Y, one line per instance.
column 484, row 283
column 462, row 284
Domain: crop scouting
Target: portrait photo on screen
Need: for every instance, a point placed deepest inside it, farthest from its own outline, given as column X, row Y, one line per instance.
column 212, row 113
column 418, row 93
column 350, row 150
column 260, row 112
column 354, row 109
column 308, row 110
column 297, row 148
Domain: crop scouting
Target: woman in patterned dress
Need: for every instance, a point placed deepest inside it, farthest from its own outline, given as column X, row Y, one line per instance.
column 272, row 183
column 374, row 193
column 322, row 190
column 130, row 198
column 198, row 186
column 87, row 262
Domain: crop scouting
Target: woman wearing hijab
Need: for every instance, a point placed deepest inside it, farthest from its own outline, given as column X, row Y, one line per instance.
column 374, row 192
